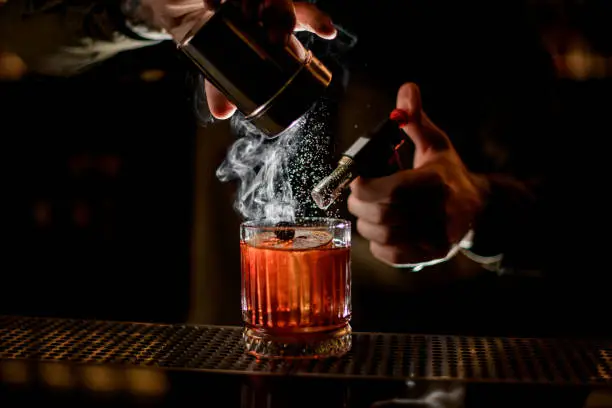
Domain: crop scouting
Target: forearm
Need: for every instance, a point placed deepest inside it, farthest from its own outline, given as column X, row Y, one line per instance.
column 64, row 37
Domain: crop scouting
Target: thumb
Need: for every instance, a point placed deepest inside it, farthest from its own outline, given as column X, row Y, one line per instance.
column 423, row 133
column 218, row 104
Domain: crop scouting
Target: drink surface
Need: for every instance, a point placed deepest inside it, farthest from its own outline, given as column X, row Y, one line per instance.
column 299, row 285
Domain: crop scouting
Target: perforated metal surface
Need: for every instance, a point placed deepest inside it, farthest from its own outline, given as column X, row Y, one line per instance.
column 214, row 348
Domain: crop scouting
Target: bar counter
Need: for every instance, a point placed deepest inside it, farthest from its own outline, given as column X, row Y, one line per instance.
column 105, row 363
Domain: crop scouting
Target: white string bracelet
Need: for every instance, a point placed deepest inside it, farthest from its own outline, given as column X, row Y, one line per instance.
column 492, row 263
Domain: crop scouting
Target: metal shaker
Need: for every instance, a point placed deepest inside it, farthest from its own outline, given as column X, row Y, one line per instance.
column 272, row 85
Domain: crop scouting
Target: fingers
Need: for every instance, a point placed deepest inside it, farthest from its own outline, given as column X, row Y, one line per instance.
column 376, row 190
column 218, row 104
column 424, row 134
column 384, row 234
column 282, row 17
column 377, row 213
column 251, row 8
column 310, row 18
column 278, row 17
column 403, row 216
column 400, row 186
column 409, row 100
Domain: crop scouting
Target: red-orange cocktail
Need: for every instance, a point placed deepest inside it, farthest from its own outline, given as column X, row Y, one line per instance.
column 296, row 288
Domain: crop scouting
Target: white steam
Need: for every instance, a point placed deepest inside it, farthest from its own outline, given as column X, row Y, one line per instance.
column 261, row 167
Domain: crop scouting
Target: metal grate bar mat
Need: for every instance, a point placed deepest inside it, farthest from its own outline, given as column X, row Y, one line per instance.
column 374, row 355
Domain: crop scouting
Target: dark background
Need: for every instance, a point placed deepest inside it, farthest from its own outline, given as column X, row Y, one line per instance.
column 103, row 171
column 101, row 175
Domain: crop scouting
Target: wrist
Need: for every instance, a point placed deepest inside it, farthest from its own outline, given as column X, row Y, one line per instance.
column 486, row 225
column 492, row 262
column 482, row 185
column 507, row 213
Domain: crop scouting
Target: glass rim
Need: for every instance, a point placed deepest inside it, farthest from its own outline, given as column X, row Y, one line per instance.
column 319, row 222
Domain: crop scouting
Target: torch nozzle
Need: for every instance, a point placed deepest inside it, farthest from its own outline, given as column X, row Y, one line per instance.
column 370, row 156
column 328, row 189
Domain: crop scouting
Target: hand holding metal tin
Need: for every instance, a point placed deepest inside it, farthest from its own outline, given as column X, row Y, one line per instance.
column 260, row 70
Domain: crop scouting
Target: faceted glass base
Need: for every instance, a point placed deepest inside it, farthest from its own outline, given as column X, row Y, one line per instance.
column 331, row 343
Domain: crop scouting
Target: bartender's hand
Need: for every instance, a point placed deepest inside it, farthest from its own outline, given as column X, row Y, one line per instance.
column 418, row 215
column 280, row 17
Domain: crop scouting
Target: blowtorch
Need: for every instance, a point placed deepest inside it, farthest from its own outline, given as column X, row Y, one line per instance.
column 272, row 85
column 371, row 155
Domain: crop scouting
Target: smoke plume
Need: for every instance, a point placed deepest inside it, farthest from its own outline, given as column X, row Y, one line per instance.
column 261, row 167
column 275, row 176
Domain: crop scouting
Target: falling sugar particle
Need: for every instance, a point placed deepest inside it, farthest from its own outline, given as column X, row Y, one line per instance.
column 276, row 176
